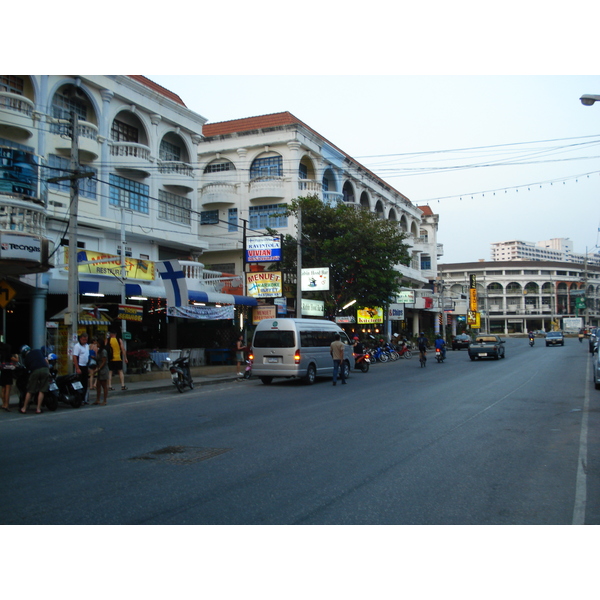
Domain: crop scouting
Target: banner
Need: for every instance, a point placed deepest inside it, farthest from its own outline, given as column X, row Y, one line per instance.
column 369, row 315
column 130, row 312
column 135, row 268
column 267, row 284
column 207, row 313
column 263, row 312
column 263, row 249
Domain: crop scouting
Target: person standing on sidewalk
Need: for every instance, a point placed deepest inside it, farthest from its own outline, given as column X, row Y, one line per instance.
column 6, row 374
column 81, row 356
column 337, row 353
column 240, row 357
column 102, row 374
column 39, row 377
column 116, row 357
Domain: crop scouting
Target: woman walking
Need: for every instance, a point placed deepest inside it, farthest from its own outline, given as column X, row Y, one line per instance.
column 102, row 374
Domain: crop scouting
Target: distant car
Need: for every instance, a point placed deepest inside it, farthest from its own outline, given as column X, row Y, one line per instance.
column 555, row 338
column 593, row 339
column 461, row 341
column 596, row 370
column 486, row 346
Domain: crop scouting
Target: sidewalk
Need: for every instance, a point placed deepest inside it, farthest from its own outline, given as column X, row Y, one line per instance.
column 154, row 380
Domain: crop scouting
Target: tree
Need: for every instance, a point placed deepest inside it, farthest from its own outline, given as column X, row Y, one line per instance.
column 360, row 249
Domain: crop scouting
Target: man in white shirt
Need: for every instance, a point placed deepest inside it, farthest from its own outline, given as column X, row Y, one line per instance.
column 81, row 356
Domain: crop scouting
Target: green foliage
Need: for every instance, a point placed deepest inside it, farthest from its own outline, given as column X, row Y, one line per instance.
column 360, row 249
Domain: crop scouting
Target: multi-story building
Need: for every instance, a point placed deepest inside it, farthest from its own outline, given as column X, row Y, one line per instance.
column 139, row 143
column 249, row 168
column 517, row 296
column 558, row 249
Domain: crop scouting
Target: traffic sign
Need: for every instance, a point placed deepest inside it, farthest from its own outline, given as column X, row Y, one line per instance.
column 7, row 293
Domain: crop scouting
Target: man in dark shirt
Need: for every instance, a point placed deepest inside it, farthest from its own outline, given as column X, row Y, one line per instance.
column 39, row 377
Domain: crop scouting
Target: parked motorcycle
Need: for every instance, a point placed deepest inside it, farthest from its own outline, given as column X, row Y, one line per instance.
column 248, row 369
column 180, row 373
column 404, row 351
column 66, row 389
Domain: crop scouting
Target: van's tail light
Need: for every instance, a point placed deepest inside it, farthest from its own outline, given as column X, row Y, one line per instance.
column 297, row 357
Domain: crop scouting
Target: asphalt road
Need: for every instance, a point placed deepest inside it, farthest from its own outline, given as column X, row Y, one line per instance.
column 511, row 441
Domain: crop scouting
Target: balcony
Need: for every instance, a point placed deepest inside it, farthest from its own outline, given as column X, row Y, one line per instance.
column 16, row 117
column 309, row 187
column 272, row 189
column 22, row 216
column 222, row 194
column 332, row 198
column 176, row 174
column 89, row 147
column 131, row 157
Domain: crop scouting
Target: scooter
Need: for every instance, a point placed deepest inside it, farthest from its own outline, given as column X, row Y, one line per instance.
column 67, row 389
column 439, row 355
column 248, row 369
column 180, row 373
column 531, row 341
column 362, row 362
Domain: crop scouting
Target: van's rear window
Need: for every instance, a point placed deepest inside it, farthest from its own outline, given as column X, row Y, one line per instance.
column 274, row 339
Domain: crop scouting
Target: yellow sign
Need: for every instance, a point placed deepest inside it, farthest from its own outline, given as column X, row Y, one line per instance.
column 474, row 319
column 7, row 293
column 369, row 315
column 264, row 284
column 472, row 299
column 136, row 268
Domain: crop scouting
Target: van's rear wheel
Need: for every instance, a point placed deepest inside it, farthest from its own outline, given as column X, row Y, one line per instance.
column 346, row 367
column 266, row 380
column 311, row 375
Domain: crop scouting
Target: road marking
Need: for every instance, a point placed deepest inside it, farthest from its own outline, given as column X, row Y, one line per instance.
column 581, row 483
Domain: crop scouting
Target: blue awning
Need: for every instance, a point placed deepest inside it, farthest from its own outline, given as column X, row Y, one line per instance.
column 218, row 298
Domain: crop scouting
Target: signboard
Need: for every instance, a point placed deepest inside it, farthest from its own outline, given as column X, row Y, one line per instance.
column 369, row 315
column 396, row 312
column 130, row 312
column 263, row 249
column 7, row 293
column 260, row 313
column 315, row 280
column 313, row 308
column 405, row 297
column 472, row 299
column 473, row 319
column 267, row 284
column 345, row 320
column 205, row 313
column 20, row 247
column 135, row 268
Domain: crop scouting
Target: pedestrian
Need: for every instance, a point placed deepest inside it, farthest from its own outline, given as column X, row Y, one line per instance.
column 336, row 350
column 93, row 362
column 81, row 357
column 6, row 374
column 240, row 349
column 103, row 373
column 422, row 344
column 39, row 377
column 116, row 357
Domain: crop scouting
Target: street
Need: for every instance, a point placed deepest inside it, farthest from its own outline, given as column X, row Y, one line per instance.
column 510, row 441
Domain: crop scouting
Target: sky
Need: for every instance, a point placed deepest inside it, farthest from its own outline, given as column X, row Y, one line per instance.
column 431, row 137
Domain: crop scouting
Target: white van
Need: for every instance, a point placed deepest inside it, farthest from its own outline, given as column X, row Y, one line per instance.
column 297, row 348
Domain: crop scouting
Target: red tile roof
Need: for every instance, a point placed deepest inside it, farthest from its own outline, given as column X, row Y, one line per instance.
column 426, row 210
column 157, row 88
column 277, row 120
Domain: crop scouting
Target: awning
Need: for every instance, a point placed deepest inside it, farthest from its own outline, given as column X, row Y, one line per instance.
column 218, row 298
column 88, row 315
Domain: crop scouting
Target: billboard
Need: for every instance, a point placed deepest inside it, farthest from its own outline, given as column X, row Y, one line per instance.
column 266, row 284
column 315, row 280
column 369, row 315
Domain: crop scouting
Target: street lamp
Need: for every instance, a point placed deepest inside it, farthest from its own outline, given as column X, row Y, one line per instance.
column 589, row 99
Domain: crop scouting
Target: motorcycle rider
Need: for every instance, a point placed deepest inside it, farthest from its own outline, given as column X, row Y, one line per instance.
column 440, row 344
column 531, row 337
column 358, row 350
column 422, row 344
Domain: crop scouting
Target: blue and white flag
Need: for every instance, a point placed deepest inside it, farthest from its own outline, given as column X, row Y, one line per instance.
column 174, row 281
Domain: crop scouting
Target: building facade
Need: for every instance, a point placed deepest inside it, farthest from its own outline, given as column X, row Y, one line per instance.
column 518, row 296
column 556, row 249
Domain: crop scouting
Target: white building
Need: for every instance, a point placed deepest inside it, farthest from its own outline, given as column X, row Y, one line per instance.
column 249, row 167
column 559, row 249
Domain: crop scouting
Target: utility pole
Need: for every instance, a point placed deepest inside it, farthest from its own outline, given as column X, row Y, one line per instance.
column 123, row 285
column 299, row 267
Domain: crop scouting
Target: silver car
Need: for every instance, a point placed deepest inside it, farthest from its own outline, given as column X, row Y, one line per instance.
column 596, row 370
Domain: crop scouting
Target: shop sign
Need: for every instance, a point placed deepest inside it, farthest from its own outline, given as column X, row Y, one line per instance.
column 263, row 249
column 405, row 297
column 259, row 313
column 367, row 316
column 130, row 312
column 396, row 312
column 135, row 268
column 20, row 247
column 313, row 308
column 315, row 280
column 267, row 284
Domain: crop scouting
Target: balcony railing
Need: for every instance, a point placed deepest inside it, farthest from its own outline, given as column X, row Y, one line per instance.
column 22, row 216
column 332, row 198
column 266, row 188
column 16, row 103
column 175, row 167
column 309, row 186
column 218, row 192
column 130, row 149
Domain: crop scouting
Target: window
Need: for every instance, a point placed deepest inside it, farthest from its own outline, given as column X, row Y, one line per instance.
column 122, row 132
column 60, row 167
column 62, row 107
column 325, row 184
column 316, row 339
column 219, row 167
column 270, row 215
column 209, row 217
column 267, row 168
column 425, row 263
column 302, row 171
column 11, row 84
column 168, row 151
column 129, row 194
column 274, row 339
column 232, row 219
column 172, row 207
